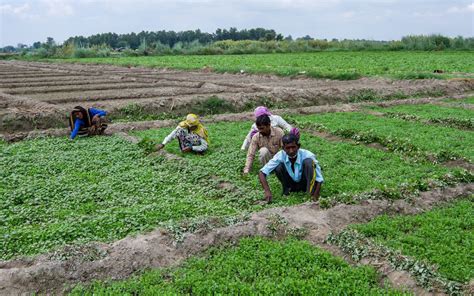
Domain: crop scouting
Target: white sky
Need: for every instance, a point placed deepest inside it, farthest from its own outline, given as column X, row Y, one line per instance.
column 27, row 21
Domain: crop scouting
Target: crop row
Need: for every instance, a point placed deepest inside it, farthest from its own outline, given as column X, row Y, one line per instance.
column 435, row 246
column 412, row 139
column 255, row 266
column 468, row 101
column 337, row 65
column 447, row 116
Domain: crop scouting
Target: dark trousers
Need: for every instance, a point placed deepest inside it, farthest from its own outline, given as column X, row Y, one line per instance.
column 307, row 182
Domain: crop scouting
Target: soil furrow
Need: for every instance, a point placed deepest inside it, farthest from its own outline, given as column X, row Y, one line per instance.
column 125, row 127
column 71, row 82
column 157, row 249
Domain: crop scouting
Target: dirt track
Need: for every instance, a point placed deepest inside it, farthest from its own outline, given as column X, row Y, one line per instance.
column 39, row 95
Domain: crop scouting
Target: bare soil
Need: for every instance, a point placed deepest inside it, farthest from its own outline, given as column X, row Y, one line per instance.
column 59, row 87
column 48, row 274
column 20, row 134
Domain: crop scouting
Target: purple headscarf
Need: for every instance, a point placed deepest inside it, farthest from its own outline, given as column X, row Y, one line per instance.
column 261, row 110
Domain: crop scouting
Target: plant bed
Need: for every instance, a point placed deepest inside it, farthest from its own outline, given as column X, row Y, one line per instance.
column 254, row 266
column 412, row 139
column 426, row 113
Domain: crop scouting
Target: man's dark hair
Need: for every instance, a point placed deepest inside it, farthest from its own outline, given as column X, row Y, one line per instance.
column 262, row 120
column 290, row 138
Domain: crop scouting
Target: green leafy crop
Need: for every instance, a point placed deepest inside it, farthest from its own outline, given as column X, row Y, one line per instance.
column 444, row 236
column 454, row 117
column 332, row 65
column 408, row 138
column 255, row 267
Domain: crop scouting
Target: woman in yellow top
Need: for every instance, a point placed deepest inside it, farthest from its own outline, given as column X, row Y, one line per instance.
column 191, row 134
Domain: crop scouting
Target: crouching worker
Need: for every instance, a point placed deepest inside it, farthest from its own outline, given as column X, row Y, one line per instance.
column 275, row 121
column 297, row 169
column 88, row 122
column 267, row 142
column 191, row 134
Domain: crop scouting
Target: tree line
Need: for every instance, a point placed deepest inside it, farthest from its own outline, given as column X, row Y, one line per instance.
column 222, row 41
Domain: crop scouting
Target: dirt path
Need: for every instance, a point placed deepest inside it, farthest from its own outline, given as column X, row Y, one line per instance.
column 157, row 249
column 143, row 125
column 156, row 90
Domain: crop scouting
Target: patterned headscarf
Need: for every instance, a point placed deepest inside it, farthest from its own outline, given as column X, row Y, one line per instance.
column 192, row 120
column 261, row 110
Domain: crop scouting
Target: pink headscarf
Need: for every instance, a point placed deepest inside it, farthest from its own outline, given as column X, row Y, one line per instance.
column 261, row 110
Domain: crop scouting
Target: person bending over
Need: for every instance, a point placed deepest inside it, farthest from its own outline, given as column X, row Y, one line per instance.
column 267, row 142
column 297, row 170
column 192, row 135
column 87, row 122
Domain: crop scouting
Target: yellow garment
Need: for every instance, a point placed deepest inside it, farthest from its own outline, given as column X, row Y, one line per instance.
column 192, row 120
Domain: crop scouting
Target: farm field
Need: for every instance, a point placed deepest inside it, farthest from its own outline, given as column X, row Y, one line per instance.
column 128, row 192
column 107, row 215
column 435, row 246
column 254, row 266
column 443, row 237
column 408, row 138
column 333, row 65
column 144, row 93
column 455, row 117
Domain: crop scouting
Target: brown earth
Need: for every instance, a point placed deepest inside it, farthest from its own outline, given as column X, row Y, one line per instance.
column 39, row 95
column 56, row 273
column 20, row 134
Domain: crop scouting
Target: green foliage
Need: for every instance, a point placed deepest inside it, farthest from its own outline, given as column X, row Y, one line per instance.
column 364, row 95
column 443, row 236
column 413, row 139
column 148, row 145
column 212, row 105
column 359, row 247
column 376, row 170
column 453, row 117
column 255, row 267
column 333, row 65
column 56, row 192
column 137, row 112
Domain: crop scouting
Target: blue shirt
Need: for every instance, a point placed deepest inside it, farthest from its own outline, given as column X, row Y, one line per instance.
column 282, row 157
column 80, row 122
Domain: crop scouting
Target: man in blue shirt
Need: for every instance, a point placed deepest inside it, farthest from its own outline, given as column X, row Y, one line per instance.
column 87, row 122
column 297, row 169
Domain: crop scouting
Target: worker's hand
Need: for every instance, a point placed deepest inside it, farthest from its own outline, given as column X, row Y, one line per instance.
column 245, row 175
column 187, row 149
column 268, row 197
column 159, row 147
